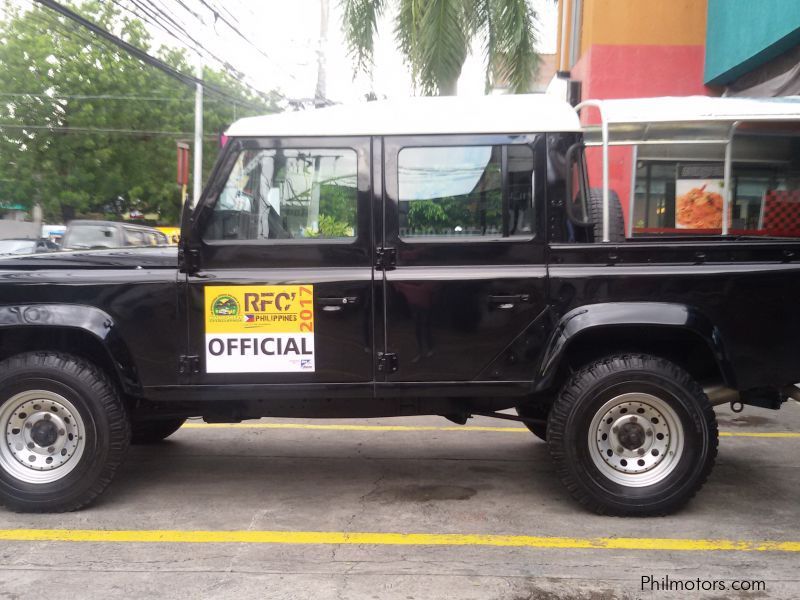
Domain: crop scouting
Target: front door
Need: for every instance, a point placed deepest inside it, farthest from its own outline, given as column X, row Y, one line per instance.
column 465, row 217
column 284, row 287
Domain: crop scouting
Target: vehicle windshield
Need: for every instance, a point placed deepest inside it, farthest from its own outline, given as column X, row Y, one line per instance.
column 17, row 246
column 91, row 236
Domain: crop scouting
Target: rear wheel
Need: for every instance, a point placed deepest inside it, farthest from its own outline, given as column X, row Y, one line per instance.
column 151, row 431
column 633, row 435
column 63, row 432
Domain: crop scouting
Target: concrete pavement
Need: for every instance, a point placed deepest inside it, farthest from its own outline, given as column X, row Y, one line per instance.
column 426, row 477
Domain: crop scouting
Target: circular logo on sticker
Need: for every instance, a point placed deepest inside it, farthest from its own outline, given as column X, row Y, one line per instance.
column 224, row 306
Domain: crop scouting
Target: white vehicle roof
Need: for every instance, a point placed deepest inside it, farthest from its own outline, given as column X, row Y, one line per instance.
column 523, row 113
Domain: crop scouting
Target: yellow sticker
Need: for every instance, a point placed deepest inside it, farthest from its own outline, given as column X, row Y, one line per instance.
column 259, row 328
column 260, row 308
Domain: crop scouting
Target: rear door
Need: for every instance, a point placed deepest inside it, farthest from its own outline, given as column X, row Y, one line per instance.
column 464, row 219
column 284, row 288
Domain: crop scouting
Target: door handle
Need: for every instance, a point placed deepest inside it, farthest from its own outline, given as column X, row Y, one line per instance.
column 509, row 298
column 506, row 301
column 336, row 304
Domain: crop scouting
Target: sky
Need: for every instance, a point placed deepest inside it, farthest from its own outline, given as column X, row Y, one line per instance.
column 286, row 35
column 284, row 39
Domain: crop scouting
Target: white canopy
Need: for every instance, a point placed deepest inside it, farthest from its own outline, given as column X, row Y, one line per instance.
column 687, row 119
column 681, row 120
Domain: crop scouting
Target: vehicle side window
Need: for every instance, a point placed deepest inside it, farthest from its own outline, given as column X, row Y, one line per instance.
column 134, row 237
column 285, row 194
column 464, row 191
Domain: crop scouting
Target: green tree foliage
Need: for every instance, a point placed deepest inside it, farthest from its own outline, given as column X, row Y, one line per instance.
column 435, row 37
column 57, row 79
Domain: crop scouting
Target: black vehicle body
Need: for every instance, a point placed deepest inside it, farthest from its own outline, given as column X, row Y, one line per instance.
column 509, row 318
column 434, row 257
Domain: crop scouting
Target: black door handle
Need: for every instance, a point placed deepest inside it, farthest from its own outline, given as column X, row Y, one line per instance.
column 335, row 304
column 509, row 299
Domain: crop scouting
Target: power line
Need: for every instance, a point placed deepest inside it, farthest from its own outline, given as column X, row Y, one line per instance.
column 167, row 21
column 141, row 54
column 218, row 15
column 100, row 97
column 140, row 132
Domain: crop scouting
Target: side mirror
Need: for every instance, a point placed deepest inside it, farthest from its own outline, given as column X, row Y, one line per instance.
column 186, row 257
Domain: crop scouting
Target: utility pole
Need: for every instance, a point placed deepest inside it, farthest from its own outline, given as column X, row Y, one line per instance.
column 197, row 175
column 320, row 94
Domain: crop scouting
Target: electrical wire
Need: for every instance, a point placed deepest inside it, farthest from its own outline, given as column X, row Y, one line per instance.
column 139, row 53
column 157, row 16
column 236, row 30
column 57, row 96
column 139, row 132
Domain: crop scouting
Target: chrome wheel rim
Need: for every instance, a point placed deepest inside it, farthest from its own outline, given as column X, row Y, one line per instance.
column 636, row 439
column 43, row 436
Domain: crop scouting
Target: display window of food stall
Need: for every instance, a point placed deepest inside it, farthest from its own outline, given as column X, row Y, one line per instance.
column 694, row 159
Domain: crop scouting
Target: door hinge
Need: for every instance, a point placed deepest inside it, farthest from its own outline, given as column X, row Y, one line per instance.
column 387, row 362
column 188, row 364
column 188, row 260
column 385, row 259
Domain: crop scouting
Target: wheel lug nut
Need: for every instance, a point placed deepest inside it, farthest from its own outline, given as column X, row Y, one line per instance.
column 632, row 419
column 649, row 432
column 61, row 432
column 28, row 425
column 614, row 429
column 640, row 451
column 30, row 445
column 620, row 450
column 47, row 417
column 51, row 449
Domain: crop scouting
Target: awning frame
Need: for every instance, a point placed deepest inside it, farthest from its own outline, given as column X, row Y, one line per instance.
column 715, row 114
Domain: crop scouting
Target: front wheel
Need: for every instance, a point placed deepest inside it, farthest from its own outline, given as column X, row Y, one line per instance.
column 63, row 432
column 633, row 435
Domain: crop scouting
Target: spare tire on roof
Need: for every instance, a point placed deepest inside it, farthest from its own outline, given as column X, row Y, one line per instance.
column 616, row 224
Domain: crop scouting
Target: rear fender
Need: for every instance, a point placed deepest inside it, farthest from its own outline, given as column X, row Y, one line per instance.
column 642, row 315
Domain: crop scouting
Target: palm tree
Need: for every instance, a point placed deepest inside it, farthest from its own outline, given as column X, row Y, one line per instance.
column 435, row 37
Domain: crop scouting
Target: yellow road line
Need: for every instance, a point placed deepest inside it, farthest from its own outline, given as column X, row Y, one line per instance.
column 347, row 427
column 389, row 539
column 758, row 434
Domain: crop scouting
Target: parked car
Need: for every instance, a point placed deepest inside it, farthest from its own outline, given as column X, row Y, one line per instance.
column 110, row 234
column 26, row 246
column 434, row 257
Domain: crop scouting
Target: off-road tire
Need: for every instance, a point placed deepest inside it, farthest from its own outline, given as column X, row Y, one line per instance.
column 537, row 411
column 616, row 221
column 104, row 432
column 152, row 431
column 583, row 400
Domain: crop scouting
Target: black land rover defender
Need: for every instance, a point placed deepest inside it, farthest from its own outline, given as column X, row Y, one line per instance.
column 430, row 257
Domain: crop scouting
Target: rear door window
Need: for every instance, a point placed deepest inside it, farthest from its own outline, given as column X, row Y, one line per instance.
column 458, row 192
